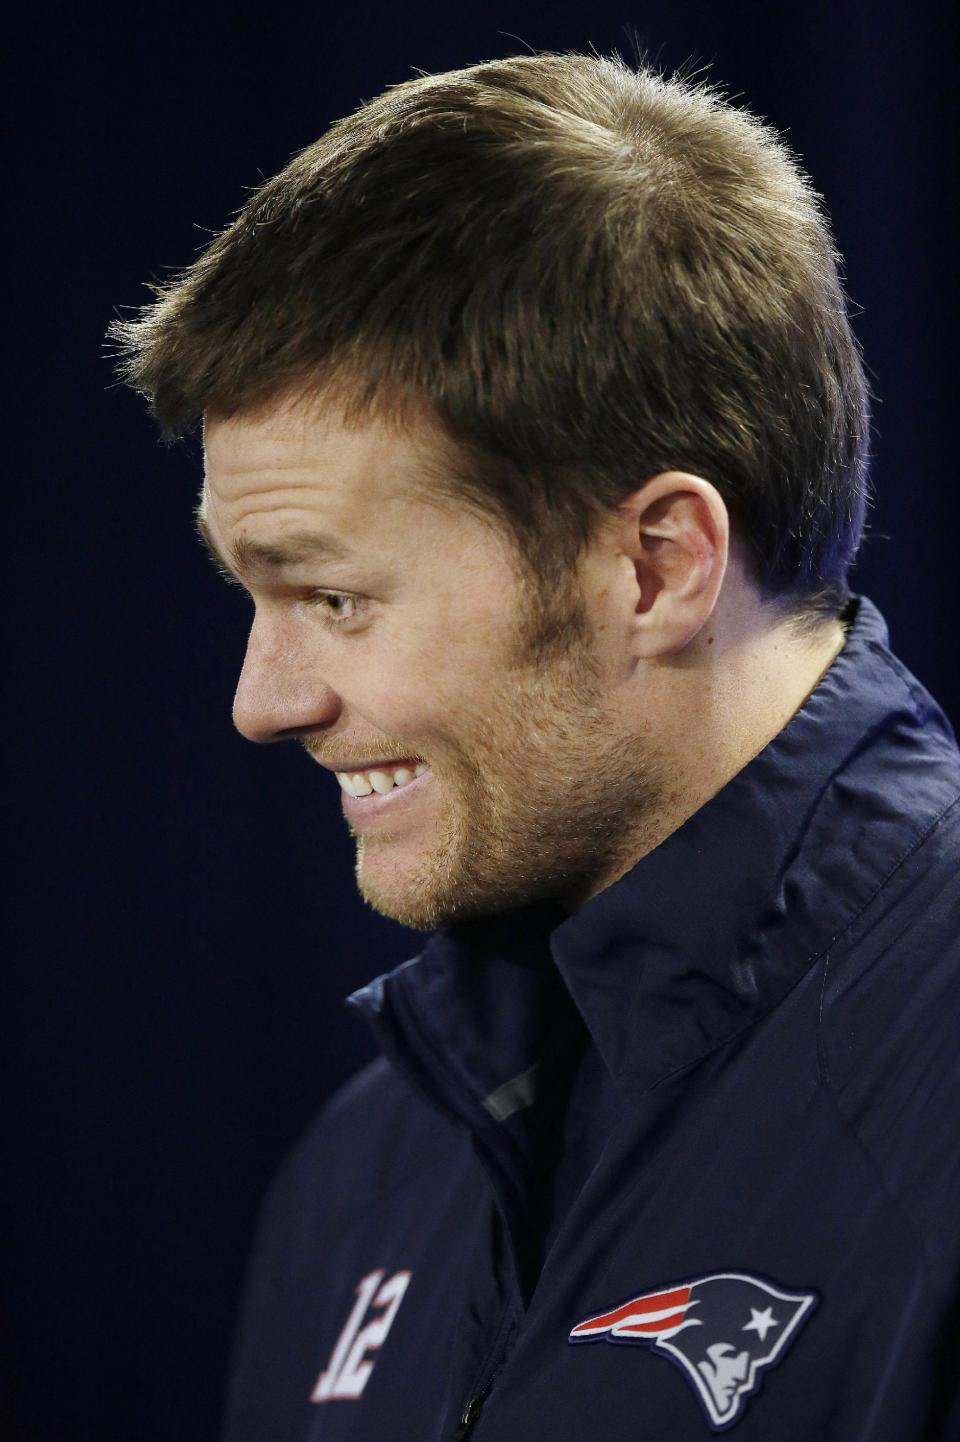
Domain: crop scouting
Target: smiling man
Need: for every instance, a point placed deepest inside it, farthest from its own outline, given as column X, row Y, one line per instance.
column 535, row 429
column 541, row 773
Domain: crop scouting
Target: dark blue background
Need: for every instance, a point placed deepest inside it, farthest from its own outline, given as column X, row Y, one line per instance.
column 184, row 921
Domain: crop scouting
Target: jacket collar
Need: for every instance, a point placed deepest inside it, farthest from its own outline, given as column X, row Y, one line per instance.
column 706, row 933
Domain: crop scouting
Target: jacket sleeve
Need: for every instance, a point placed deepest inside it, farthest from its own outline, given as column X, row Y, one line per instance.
column 252, row 1340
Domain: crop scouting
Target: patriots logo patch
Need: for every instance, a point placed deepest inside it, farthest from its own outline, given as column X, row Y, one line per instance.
column 724, row 1331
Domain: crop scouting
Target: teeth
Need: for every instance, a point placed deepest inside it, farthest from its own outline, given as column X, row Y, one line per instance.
column 359, row 783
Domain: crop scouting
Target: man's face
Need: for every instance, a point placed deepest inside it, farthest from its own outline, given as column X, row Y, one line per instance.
column 413, row 644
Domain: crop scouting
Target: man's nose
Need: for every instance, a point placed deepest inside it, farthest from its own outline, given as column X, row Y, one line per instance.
column 281, row 691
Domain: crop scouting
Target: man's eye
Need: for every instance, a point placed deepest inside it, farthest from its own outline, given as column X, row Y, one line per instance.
column 336, row 606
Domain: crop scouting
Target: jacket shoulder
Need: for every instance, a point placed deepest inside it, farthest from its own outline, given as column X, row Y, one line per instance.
column 370, row 1136
column 890, row 1030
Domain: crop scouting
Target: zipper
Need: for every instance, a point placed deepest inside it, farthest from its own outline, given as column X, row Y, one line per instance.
column 493, row 1364
column 396, row 1029
column 471, row 1413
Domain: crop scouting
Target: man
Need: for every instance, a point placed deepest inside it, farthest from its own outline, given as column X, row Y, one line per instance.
column 535, row 428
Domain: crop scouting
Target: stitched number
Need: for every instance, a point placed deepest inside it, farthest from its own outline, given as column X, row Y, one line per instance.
column 355, row 1371
column 327, row 1380
column 348, row 1369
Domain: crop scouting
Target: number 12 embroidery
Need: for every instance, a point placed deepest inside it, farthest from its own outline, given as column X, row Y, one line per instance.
column 348, row 1369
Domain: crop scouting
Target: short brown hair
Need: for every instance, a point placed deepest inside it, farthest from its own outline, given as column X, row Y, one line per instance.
column 587, row 273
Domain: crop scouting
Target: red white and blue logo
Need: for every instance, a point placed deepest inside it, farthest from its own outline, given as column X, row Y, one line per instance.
column 724, row 1331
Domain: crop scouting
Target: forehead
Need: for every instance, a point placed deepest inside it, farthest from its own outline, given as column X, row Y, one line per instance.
column 371, row 488
column 295, row 449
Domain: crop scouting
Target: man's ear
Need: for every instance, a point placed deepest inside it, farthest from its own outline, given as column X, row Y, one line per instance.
column 675, row 532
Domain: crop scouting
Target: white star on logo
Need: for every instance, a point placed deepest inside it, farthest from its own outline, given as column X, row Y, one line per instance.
column 761, row 1322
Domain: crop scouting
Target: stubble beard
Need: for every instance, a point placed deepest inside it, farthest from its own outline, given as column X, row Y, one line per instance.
column 550, row 801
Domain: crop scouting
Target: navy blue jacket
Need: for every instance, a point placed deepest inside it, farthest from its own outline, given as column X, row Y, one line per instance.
column 687, row 1160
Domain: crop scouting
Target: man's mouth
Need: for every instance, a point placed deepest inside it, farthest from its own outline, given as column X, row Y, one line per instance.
column 382, row 779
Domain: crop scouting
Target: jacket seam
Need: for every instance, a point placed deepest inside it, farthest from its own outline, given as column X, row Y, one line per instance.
column 361, row 1209
column 827, row 1081
column 915, row 846
column 820, row 955
column 917, row 694
column 927, row 1263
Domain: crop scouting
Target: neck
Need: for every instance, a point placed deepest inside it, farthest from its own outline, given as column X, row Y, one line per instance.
column 725, row 698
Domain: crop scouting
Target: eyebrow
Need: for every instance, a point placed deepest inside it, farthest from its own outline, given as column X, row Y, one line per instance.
column 248, row 557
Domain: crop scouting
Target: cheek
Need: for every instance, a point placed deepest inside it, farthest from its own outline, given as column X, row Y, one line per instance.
column 445, row 679
column 392, row 692
column 428, row 701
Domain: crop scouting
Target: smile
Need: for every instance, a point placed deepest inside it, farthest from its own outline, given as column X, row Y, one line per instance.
column 381, row 780
column 368, row 794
